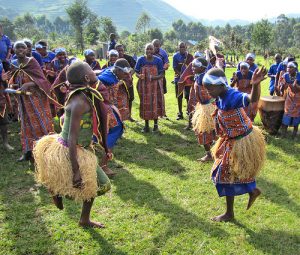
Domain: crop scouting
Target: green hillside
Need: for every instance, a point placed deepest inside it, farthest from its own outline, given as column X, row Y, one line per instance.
column 124, row 13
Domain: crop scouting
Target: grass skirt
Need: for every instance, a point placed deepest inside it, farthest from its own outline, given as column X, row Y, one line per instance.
column 54, row 171
column 247, row 155
column 202, row 120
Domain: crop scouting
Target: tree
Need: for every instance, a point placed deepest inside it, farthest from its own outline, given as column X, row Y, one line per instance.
column 78, row 14
column 143, row 23
column 125, row 34
column 92, row 33
column 170, row 35
column 155, row 34
column 108, row 27
column 25, row 26
column 296, row 34
column 180, row 29
column 262, row 34
column 62, row 26
column 8, row 28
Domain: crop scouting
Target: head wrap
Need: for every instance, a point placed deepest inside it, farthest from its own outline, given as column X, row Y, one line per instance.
column 73, row 60
column 199, row 54
column 39, row 46
column 88, row 52
column 250, row 55
column 113, row 52
column 244, row 64
column 209, row 79
column 292, row 64
column 20, row 43
column 197, row 62
column 60, row 50
column 124, row 69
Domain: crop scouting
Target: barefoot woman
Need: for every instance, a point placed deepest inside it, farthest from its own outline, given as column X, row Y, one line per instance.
column 240, row 151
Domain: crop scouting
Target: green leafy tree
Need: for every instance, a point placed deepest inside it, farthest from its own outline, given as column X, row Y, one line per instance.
column 108, row 27
column 8, row 27
column 262, row 34
column 180, row 29
column 78, row 14
column 143, row 23
column 155, row 33
column 296, row 34
column 92, row 33
column 25, row 26
column 125, row 34
column 62, row 26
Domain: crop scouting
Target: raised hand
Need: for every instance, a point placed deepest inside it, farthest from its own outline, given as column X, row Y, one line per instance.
column 259, row 75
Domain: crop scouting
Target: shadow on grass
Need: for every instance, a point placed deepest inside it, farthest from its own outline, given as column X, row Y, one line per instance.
column 152, row 156
column 270, row 241
column 184, row 146
column 73, row 210
column 278, row 195
column 287, row 145
column 27, row 231
column 144, row 194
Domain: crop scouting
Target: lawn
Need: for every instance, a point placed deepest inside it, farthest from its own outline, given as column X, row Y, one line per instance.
column 161, row 200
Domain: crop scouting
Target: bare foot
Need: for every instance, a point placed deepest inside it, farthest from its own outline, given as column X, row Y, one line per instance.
column 8, row 147
column 108, row 171
column 252, row 197
column 223, row 217
column 57, row 200
column 91, row 224
column 206, row 158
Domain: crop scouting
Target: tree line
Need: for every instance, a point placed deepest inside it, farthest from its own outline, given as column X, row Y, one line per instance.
column 85, row 28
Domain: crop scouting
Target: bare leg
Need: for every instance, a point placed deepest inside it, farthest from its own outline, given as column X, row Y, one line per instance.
column 284, row 130
column 180, row 114
column 229, row 214
column 130, row 110
column 155, row 128
column 189, row 126
column 4, row 135
column 57, row 200
column 85, row 216
column 252, row 197
column 104, row 166
column 208, row 156
column 295, row 131
column 146, row 129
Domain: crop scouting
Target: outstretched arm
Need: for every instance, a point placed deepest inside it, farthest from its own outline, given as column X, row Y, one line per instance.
column 258, row 76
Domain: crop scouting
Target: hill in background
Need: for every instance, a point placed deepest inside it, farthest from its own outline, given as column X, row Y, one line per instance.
column 124, row 13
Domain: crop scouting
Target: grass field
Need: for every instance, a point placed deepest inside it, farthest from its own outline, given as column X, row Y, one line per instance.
column 161, row 201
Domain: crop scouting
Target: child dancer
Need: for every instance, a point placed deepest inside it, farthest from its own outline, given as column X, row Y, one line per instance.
column 240, row 151
column 71, row 168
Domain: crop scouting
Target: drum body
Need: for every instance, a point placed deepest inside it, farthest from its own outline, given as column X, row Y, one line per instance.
column 271, row 109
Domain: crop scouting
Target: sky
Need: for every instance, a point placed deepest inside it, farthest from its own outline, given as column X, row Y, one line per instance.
column 251, row 10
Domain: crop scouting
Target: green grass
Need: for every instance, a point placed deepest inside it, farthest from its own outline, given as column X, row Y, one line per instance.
column 161, row 201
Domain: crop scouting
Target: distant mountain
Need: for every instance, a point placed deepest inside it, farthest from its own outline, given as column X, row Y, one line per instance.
column 222, row 23
column 124, row 13
column 234, row 22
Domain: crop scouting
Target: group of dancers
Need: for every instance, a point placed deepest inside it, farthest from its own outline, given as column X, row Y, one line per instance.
column 92, row 104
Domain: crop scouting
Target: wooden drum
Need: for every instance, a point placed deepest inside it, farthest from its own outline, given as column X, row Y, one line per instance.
column 271, row 109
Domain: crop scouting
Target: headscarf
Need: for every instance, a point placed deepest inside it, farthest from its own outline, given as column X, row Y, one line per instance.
column 250, row 55
column 88, row 52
